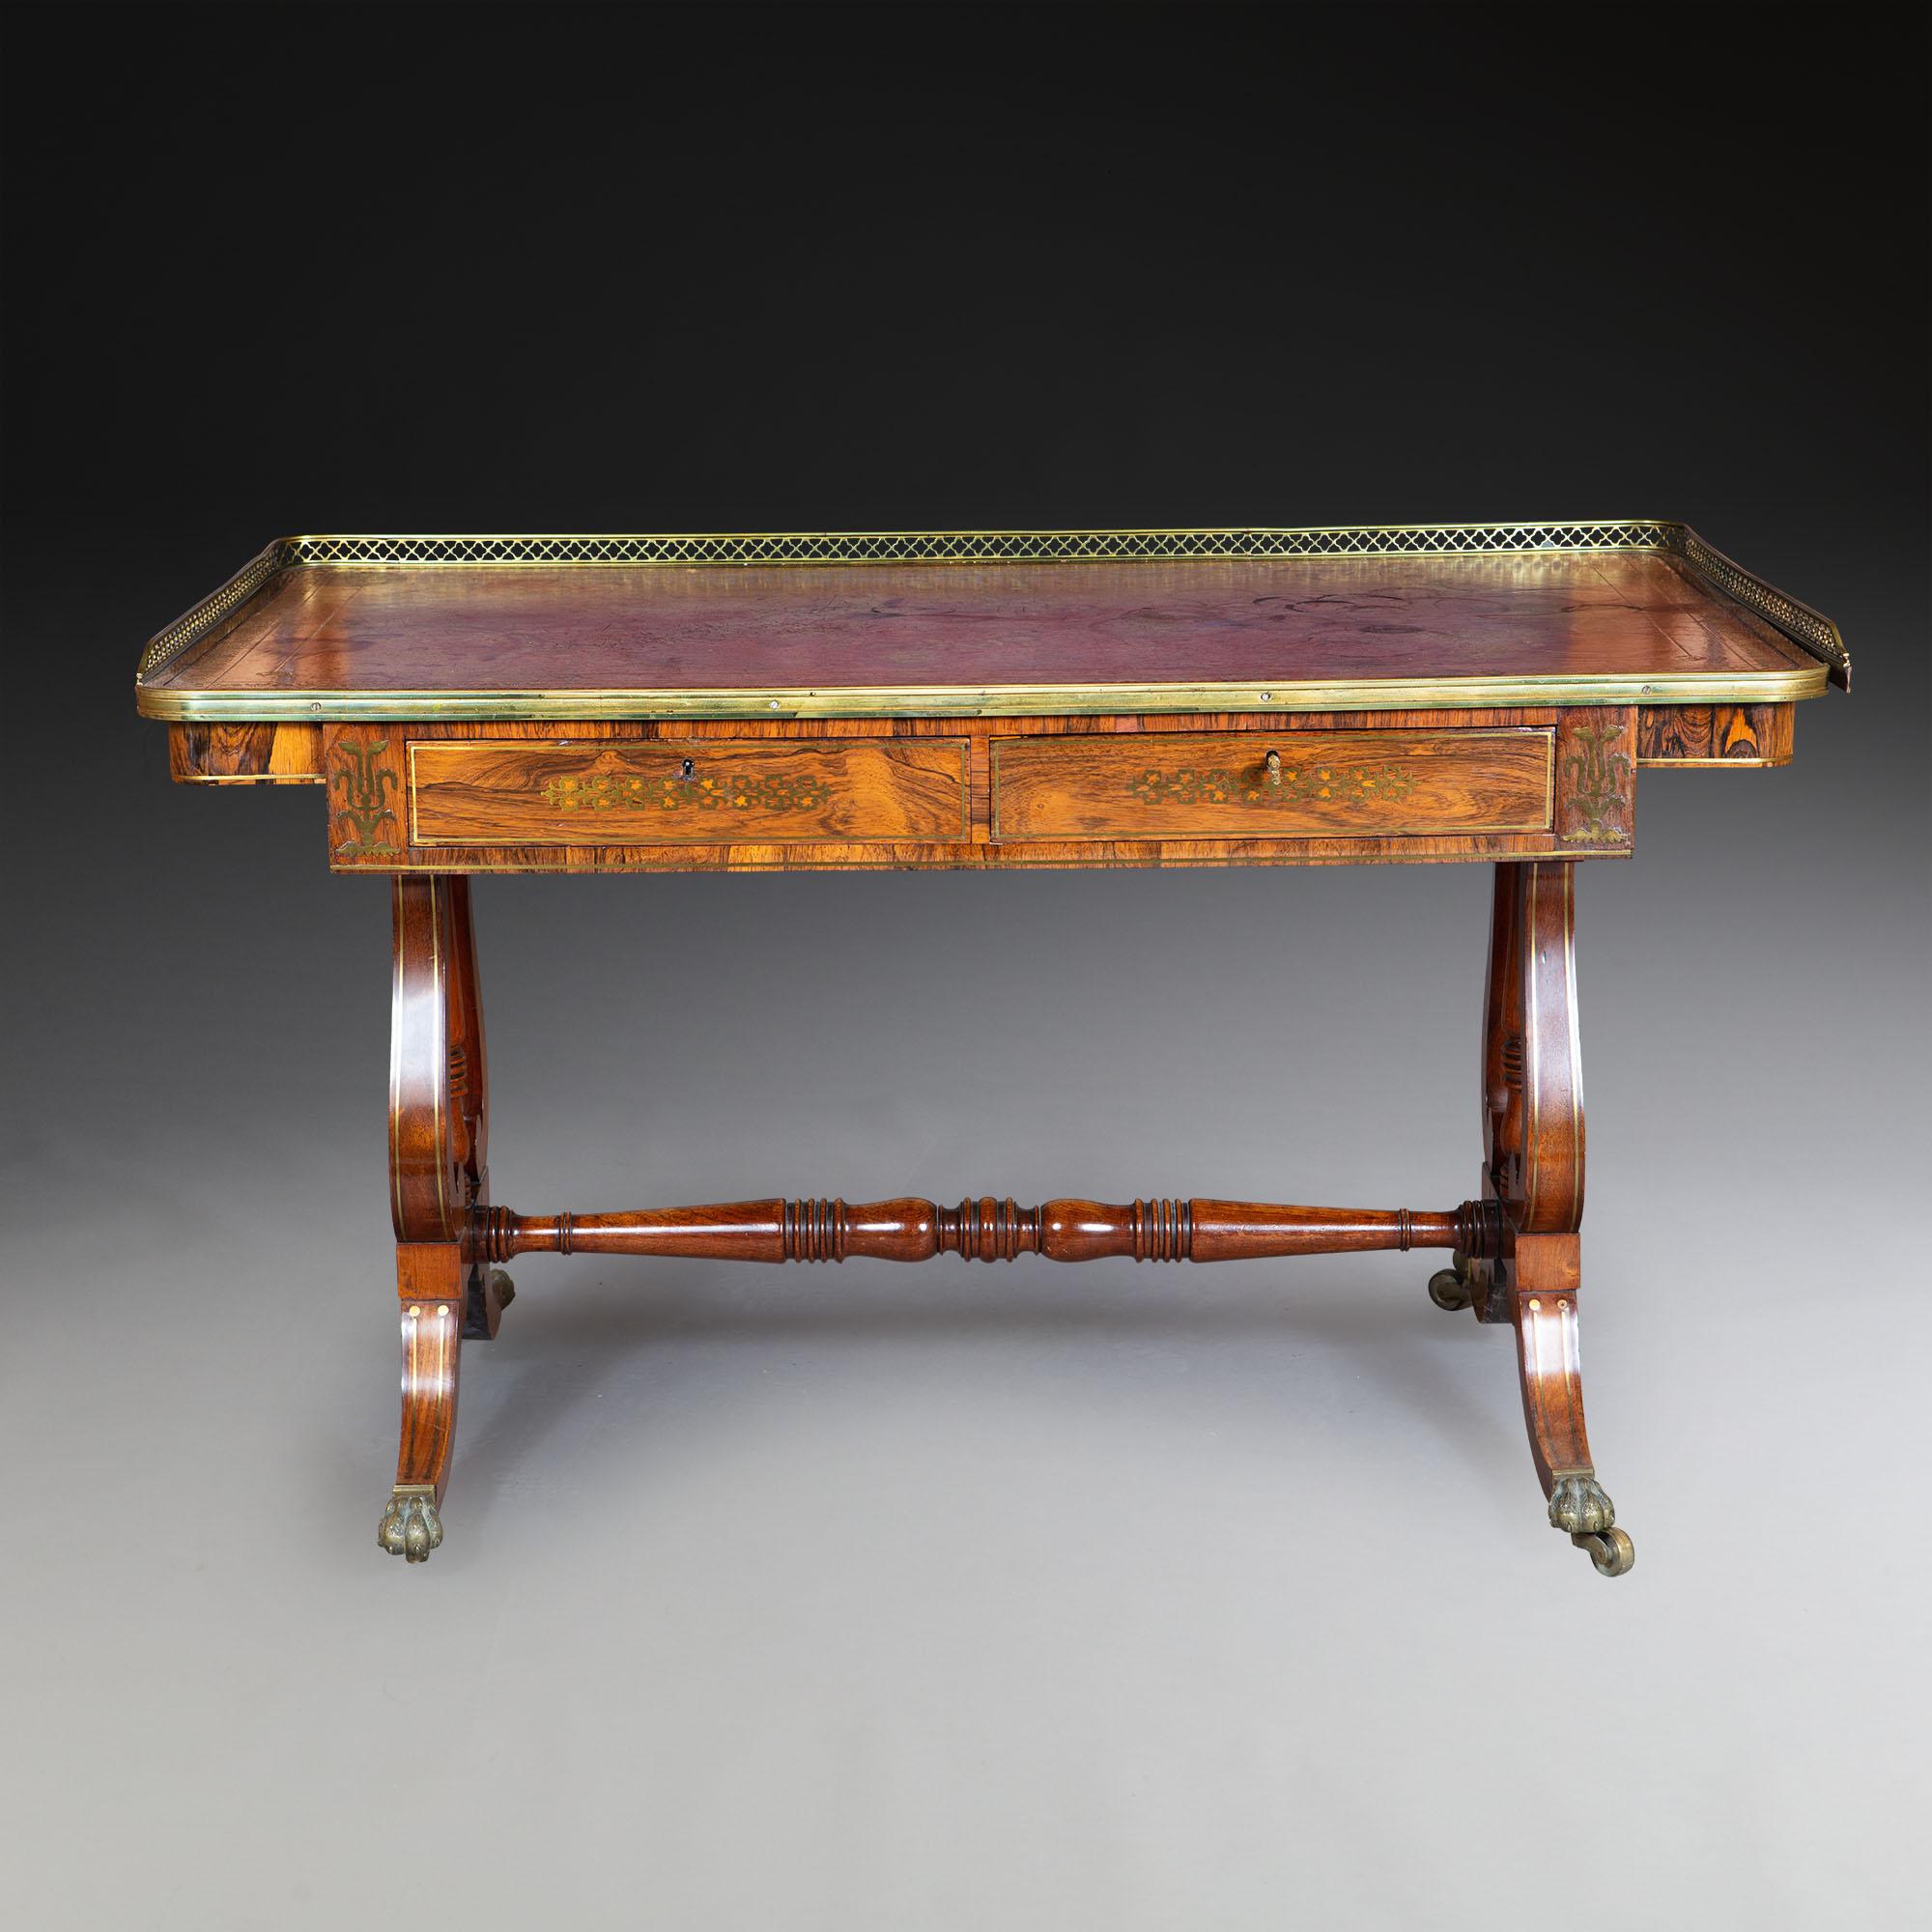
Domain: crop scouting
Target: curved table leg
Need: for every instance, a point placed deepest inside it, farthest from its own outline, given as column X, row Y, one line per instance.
column 439, row 1179
column 1542, row 1194
column 1533, row 1146
column 1543, row 1277
column 432, row 1305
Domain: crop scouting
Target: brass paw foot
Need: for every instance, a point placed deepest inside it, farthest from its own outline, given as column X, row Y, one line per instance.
column 1449, row 1287
column 411, row 1527
column 1580, row 1507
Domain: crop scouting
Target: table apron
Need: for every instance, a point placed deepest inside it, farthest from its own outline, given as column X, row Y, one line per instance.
column 941, row 794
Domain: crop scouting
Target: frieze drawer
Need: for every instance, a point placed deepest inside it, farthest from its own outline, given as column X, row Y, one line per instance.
column 484, row 791
column 1290, row 784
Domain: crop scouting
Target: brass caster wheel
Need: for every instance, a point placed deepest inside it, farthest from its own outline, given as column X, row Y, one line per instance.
column 1612, row 1551
column 1449, row 1288
column 490, row 1292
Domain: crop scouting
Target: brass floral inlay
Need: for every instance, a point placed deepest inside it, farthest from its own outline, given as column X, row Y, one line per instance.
column 1302, row 782
column 1597, row 777
column 739, row 791
column 362, row 781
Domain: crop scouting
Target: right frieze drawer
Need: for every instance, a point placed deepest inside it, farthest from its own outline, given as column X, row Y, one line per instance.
column 1291, row 784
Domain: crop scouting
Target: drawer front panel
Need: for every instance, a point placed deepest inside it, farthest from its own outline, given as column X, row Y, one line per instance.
column 1220, row 784
column 712, row 791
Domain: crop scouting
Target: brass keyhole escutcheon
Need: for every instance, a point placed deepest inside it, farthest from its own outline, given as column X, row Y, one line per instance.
column 687, row 769
column 1274, row 769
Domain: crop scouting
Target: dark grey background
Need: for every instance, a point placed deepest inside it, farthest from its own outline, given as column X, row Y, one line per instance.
column 1105, row 1598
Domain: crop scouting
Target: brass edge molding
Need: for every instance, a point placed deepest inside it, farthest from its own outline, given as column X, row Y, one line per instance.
column 1803, row 626
column 1712, row 764
column 1015, row 700
column 970, row 858
column 252, row 778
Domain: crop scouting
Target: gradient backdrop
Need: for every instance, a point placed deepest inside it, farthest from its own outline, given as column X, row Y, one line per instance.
column 947, row 1599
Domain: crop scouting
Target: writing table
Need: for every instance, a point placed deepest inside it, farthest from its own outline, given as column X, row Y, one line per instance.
column 1443, row 694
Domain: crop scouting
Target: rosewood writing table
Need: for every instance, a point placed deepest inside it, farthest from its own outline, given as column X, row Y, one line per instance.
column 1466, row 692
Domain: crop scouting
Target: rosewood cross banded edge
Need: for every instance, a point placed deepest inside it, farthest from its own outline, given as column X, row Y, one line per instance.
column 1442, row 692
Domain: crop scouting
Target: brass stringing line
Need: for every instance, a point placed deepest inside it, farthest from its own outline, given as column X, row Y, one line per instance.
column 1575, row 1047
column 1576, row 1113
column 396, row 1051
column 1532, row 1111
column 1805, row 626
column 441, row 1076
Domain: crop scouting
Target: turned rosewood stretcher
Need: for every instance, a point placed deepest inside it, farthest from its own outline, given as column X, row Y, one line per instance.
column 1173, row 698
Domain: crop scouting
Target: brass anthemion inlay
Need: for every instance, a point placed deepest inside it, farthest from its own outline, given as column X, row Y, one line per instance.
column 363, row 782
column 743, row 791
column 1307, row 782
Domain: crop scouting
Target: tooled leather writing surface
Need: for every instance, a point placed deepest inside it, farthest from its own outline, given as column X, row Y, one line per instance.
column 565, row 629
